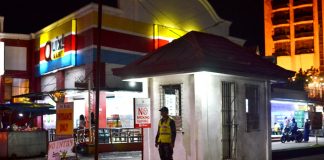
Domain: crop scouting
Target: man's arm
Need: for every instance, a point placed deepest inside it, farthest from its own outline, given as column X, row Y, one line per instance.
column 157, row 136
column 173, row 131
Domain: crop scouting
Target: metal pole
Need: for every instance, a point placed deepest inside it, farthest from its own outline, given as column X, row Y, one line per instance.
column 89, row 110
column 98, row 75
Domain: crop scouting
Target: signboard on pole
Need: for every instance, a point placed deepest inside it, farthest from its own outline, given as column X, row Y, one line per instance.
column 316, row 120
column 142, row 113
column 59, row 148
column 64, row 118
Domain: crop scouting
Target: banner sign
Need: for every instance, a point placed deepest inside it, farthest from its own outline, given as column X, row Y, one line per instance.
column 57, row 48
column 64, row 118
column 142, row 113
column 61, row 147
column 316, row 120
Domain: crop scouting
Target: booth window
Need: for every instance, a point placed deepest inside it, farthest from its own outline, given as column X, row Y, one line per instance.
column 171, row 97
column 14, row 87
column 229, row 124
column 252, row 107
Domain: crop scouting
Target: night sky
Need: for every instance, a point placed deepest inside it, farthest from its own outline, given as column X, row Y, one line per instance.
column 23, row 16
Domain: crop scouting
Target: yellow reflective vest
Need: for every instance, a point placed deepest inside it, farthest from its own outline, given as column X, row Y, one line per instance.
column 165, row 131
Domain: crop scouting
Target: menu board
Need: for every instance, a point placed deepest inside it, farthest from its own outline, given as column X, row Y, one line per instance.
column 299, row 118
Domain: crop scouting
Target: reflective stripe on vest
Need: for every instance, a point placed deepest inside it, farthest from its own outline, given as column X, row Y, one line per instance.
column 165, row 132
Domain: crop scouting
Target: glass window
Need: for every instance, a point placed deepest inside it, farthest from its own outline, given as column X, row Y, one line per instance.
column 171, row 98
column 15, row 86
column 252, row 107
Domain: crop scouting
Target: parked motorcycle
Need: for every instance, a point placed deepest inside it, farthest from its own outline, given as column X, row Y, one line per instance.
column 288, row 136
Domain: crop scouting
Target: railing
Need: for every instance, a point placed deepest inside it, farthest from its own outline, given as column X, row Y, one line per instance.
column 304, row 33
column 106, row 135
column 280, row 36
column 276, row 4
column 301, row 2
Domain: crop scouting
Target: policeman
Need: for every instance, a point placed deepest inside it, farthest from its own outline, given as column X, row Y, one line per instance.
column 166, row 135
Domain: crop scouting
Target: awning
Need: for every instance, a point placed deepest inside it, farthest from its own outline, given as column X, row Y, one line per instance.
column 32, row 108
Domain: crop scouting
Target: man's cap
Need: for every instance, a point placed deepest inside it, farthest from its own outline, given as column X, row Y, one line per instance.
column 164, row 109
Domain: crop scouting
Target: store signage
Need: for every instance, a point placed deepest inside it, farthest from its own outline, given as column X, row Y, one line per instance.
column 142, row 113
column 60, row 147
column 57, row 48
column 2, row 58
column 54, row 49
column 64, row 118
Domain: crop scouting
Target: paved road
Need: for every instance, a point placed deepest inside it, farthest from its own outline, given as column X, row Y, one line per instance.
column 289, row 145
column 133, row 155
column 314, row 157
column 276, row 147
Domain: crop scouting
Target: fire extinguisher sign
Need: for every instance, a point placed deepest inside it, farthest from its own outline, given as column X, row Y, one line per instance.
column 142, row 113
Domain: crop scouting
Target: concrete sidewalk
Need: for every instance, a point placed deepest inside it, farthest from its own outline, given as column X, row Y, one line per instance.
column 293, row 145
column 131, row 155
column 291, row 150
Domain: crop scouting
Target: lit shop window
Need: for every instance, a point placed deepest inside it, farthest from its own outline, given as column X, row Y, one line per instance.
column 171, row 97
column 15, row 86
column 252, row 107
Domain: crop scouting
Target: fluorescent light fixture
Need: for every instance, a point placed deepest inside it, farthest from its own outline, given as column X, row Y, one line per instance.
column 20, row 115
column 132, row 84
column 247, row 105
column 2, row 58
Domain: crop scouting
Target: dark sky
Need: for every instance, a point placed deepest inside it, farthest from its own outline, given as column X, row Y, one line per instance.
column 28, row 16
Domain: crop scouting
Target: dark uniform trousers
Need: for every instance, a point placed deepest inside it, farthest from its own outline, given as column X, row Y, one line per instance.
column 166, row 151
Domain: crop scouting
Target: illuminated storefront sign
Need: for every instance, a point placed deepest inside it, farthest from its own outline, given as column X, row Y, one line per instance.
column 57, row 48
column 54, row 49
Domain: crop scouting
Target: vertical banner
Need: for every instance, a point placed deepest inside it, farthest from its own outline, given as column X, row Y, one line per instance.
column 316, row 120
column 64, row 118
column 142, row 113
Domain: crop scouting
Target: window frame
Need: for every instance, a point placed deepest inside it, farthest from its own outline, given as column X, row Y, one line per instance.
column 252, row 107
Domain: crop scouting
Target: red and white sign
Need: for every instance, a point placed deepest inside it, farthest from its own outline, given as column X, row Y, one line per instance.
column 61, row 147
column 142, row 113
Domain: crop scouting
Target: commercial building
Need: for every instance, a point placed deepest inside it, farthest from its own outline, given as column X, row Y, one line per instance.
column 60, row 59
column 293, row 32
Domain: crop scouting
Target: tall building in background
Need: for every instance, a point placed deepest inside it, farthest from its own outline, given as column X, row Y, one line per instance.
column 294, row 33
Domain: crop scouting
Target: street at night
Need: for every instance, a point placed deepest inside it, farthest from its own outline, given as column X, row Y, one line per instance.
column 162, row 79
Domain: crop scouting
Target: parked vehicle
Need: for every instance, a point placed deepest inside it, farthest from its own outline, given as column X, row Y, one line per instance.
column 288, row 136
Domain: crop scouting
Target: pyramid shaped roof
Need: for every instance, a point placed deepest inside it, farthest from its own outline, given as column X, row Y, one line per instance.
column 198, row 51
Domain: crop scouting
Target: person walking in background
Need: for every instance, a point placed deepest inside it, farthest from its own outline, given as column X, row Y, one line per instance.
column 93, row 120
column 287, row 125
column 276, row 128
column 166, row 135
column 81, row 129
column 306, row 130
column 293, row 127
column 82, row 122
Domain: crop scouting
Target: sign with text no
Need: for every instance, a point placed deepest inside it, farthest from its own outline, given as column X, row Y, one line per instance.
column 142, row 113
column 57, row 148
